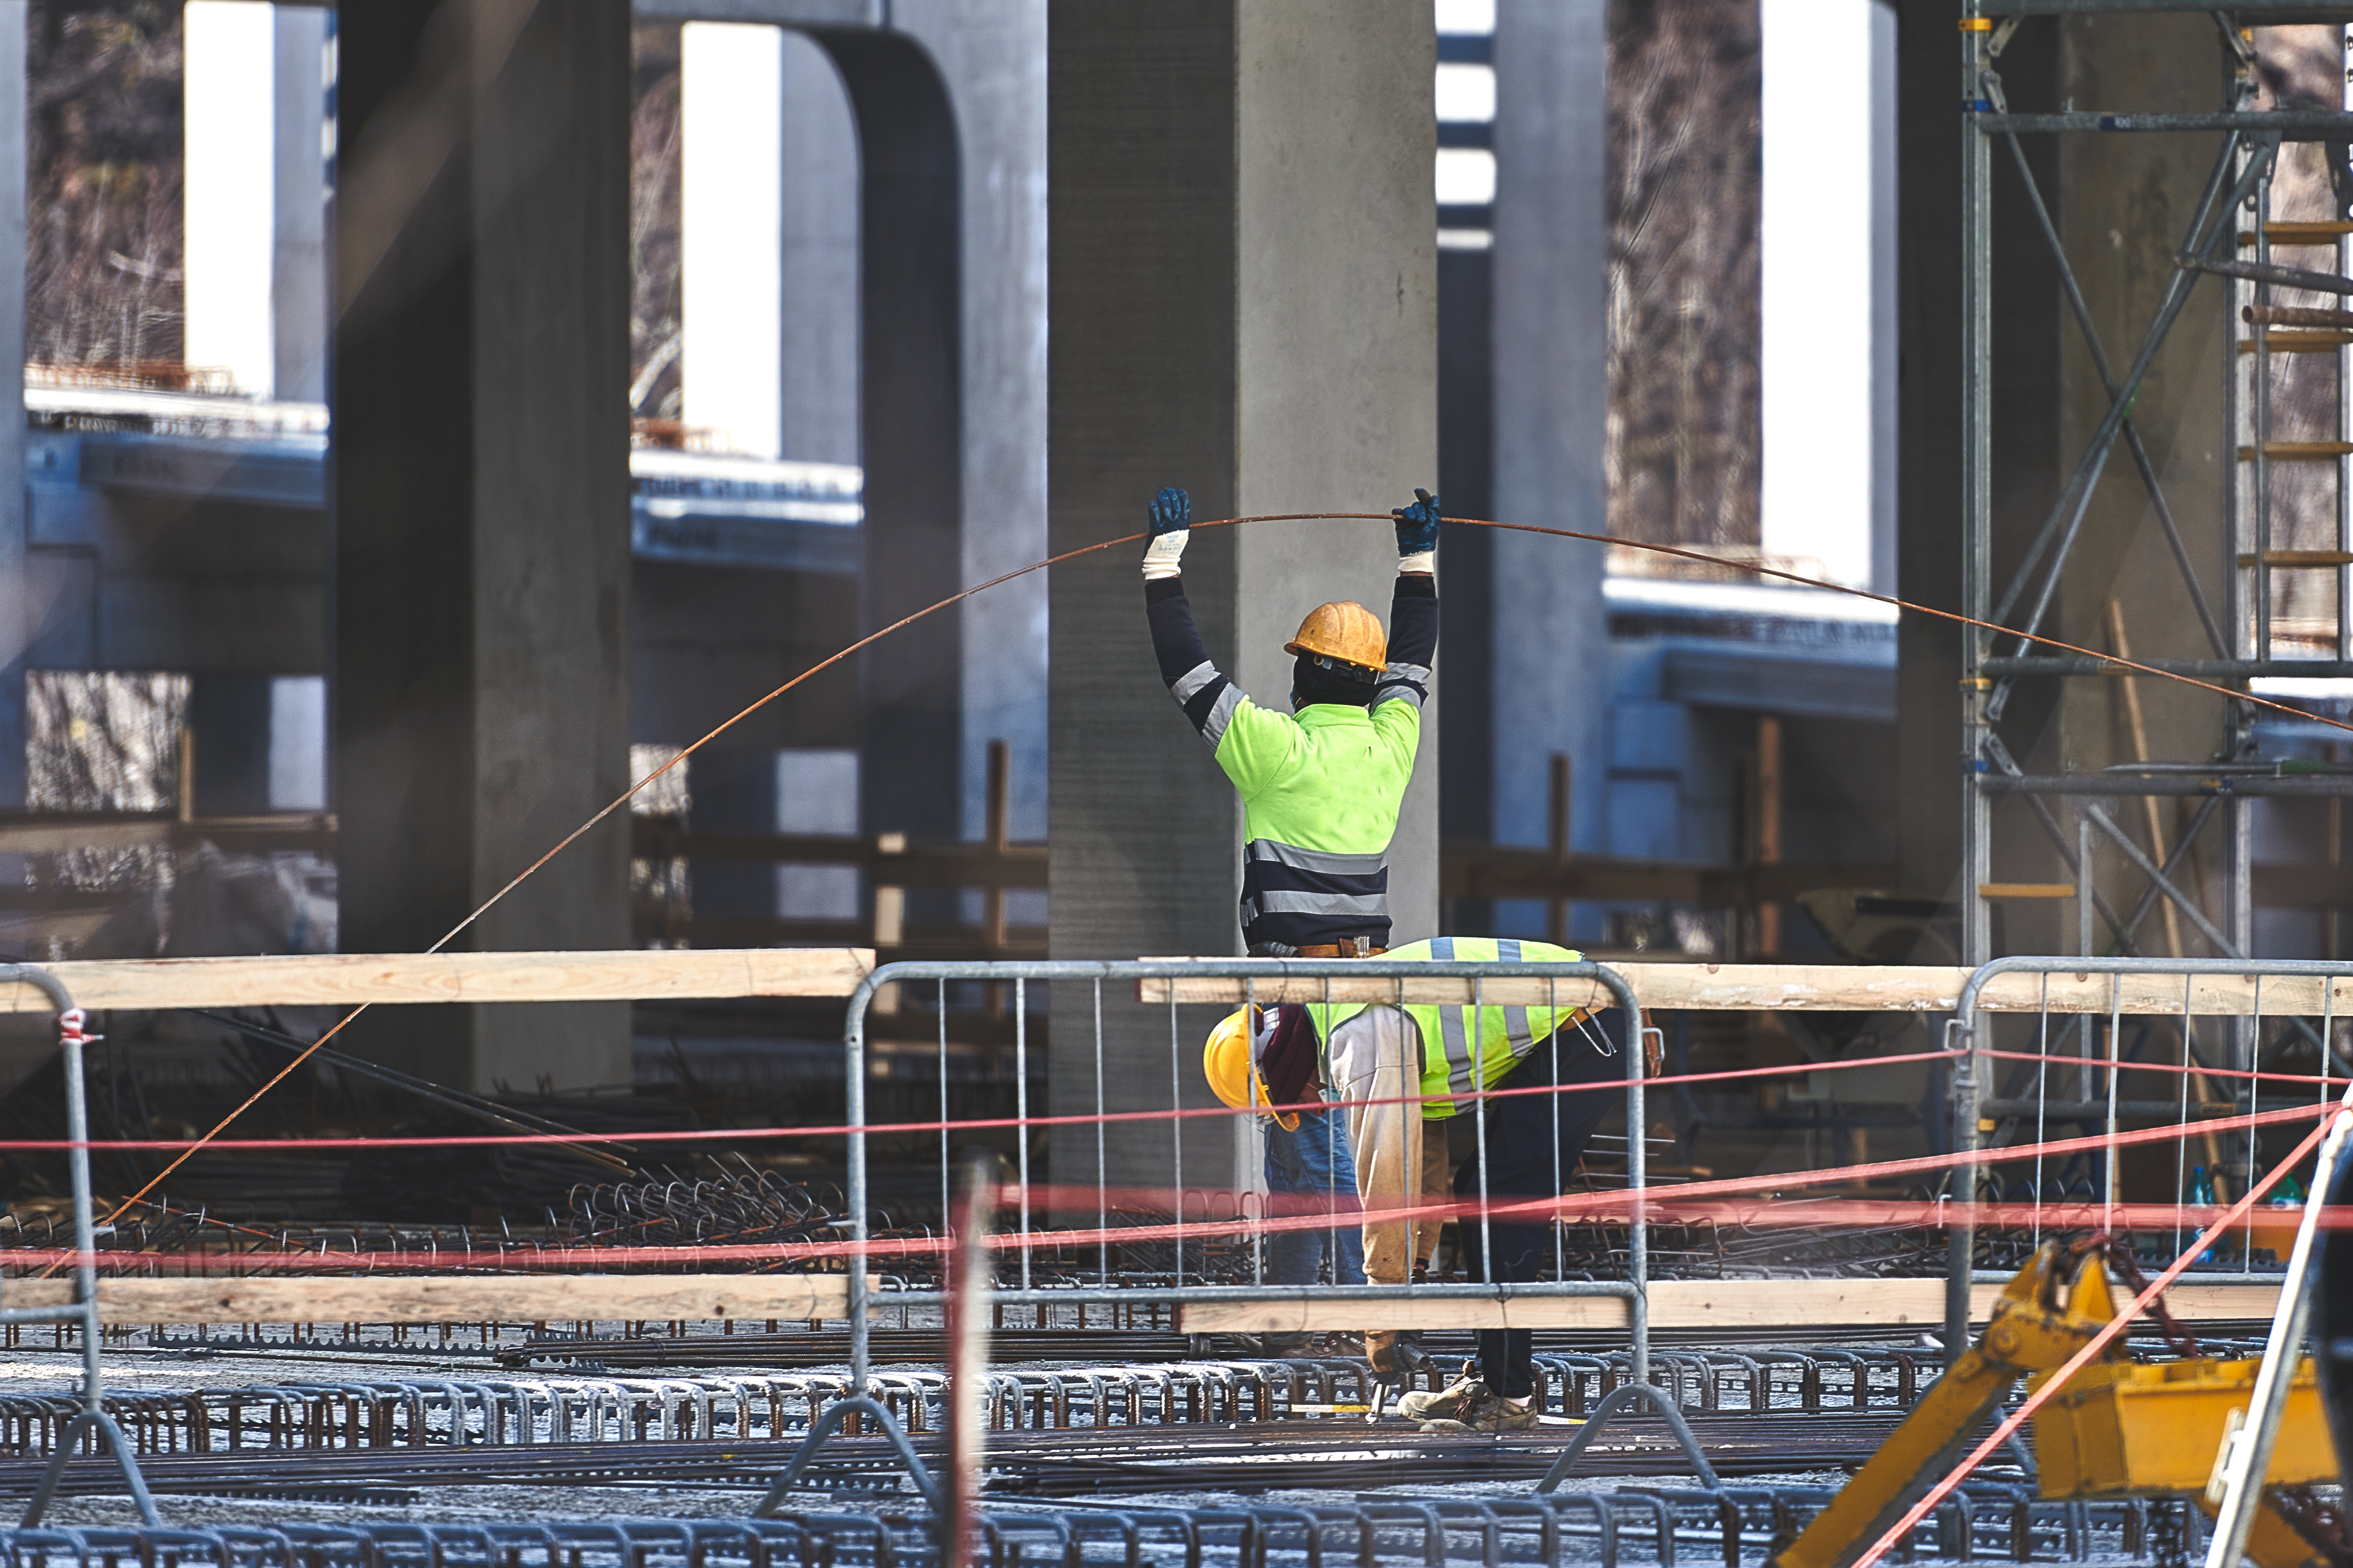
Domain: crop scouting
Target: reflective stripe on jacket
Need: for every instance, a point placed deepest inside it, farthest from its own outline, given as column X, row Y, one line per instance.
column 1458, row 1059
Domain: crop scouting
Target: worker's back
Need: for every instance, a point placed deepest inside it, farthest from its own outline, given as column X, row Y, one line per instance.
column 1320, row 798
column 1320, row 791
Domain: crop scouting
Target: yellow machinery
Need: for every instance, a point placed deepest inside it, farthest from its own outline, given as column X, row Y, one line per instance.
column 2119, row 1428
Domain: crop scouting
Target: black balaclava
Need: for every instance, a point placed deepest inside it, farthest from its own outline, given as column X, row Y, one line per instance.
column 1312, row 683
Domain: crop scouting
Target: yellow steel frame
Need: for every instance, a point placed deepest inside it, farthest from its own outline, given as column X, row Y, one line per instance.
column 2117, row 1428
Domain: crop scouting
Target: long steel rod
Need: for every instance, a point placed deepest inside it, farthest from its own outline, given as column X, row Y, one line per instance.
column 2288, row 125
column 2164, row 785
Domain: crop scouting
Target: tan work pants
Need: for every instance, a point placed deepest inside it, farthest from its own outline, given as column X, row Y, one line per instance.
column 1377, row 1055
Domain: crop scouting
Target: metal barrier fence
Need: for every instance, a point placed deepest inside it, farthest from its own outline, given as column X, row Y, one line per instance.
column 1162, row 987
column 92, row 1422
column 2202, row 1029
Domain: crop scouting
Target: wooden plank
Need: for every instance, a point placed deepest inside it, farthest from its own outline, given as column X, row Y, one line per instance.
column 1729, row 986
column 1347, row 1317
column 349, row 979
column 1784, row 987
column 468, row 1299
column 1680, row 1304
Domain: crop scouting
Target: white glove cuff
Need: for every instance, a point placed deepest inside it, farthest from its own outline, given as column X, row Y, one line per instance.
column 1165, row 556
column 1427, row 562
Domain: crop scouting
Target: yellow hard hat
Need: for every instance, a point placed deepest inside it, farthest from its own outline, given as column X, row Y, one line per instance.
column 1346, row 632
column 1226, row 1063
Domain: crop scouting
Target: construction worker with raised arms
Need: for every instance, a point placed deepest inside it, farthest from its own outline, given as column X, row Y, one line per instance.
column 1533, row 1140
column 1320, row 787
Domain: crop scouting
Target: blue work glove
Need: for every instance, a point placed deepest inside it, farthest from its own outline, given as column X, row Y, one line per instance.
column 1171, row 517
column 1417, row 528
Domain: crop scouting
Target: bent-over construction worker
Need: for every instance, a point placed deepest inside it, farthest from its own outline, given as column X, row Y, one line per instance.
column 1308, row 1169
column 1321, row 785
column 1408, row 1154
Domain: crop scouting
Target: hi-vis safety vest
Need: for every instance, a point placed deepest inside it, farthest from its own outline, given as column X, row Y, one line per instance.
column 1457, row 1058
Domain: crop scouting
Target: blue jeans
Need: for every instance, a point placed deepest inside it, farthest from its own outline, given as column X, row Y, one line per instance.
column 1309, row 1171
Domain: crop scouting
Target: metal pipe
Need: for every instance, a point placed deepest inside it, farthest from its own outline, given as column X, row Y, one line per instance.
column 2162, row 785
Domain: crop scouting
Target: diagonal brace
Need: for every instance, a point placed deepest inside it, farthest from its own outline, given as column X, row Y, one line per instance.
column 2083, row 313
column 2066, row 519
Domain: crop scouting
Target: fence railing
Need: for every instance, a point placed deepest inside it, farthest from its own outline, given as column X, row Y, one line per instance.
column 1206, row 1215
column 1145, row 1038
column 92, row 1422
column 2107, row 1049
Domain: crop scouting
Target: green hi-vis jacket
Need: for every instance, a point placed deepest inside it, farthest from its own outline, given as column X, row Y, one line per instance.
column 1457, row 1059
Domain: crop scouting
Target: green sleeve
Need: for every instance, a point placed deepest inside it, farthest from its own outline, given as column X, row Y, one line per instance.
column 1257, row 747
column 1398, row 724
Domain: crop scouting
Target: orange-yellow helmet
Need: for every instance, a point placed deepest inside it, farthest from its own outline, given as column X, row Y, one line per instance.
column 1347, row 632
column 1235, row 1079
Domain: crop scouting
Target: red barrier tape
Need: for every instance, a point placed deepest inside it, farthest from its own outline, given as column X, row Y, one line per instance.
column 1608, row 1208
column 759, row 1134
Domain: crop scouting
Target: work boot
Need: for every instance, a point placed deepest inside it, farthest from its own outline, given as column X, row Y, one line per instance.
column 1487, row 1412
column 1448, row 1403
column 1380, row 1350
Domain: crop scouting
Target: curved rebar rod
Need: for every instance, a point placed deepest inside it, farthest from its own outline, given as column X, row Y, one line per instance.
column 1678, row 551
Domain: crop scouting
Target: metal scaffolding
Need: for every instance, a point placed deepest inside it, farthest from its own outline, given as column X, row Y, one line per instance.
column 2230, row 236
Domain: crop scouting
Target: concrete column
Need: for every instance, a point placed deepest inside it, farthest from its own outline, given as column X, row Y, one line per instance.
column 481, row 505
column 992, row 53
column 1817, row 488
column 2123, row 210
column 731, row 233
column 911, row 388
column 230, row 97
column 1550, row 631
column 819, row 220
column 298, row 263
column 2026, row 324
column 17, row 627
column 1243, row 302
column 255, row 111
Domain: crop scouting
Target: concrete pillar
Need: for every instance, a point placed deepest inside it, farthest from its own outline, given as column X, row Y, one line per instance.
column 2123, row 210
column 1816, row 289
column 298, row 263
column 1243, row 302
column 819, row 220
column 482, row 506
column 1549, row 630
column 17, row 627
column 992, row 53
column 255, row 115
column 731, row 233
column 229, row 127
column 911, row 390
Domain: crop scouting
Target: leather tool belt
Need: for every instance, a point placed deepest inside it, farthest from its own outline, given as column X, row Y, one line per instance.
column 1355, row 947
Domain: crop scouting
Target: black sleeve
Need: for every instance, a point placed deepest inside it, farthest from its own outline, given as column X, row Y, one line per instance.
column 1413, row 639
column 1205, row 694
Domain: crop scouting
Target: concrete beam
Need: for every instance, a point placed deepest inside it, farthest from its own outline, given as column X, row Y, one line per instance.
column 482, row 498
column 1243, row 302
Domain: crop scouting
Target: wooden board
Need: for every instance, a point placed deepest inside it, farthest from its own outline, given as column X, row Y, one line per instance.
column 344, row 980
column 470, row 1299
column 350, row 979
column 1680, row 1304
column 1782, row 987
